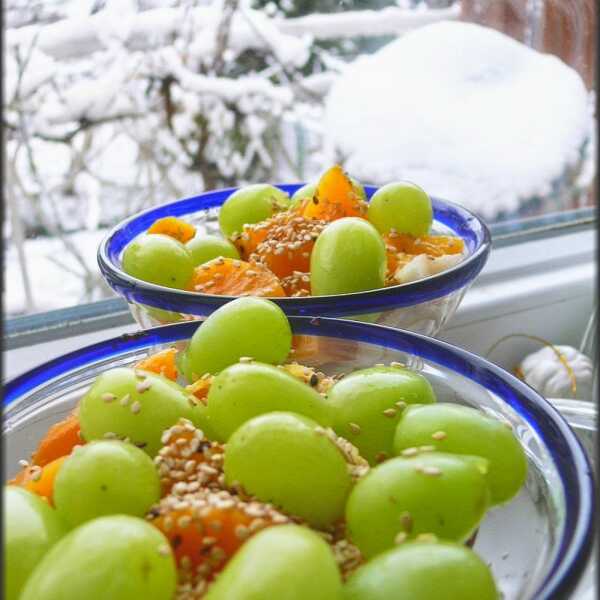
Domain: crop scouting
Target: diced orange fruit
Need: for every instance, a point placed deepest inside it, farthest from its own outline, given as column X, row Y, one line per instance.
column 297, row 284
column 232, row 277
column 310, row 376
column 200, row 388
column 335, row 197
column 162, row 362
column 175, row 228
column 40, row 480
column 204, row 537
column 432, row 245
column 59, row 440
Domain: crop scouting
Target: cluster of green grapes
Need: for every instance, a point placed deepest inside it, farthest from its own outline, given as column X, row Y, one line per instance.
column 411, row 479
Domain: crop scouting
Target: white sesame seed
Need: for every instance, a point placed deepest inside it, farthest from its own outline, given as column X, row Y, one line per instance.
column 108, row 397
column 439, row 435
column 431, row 471
column 408, row 452
column 164, row 550
column 390, row 412
column 401, row 538
column 143, row 386
column 23, row 463
column 124, row 401
column 354, row 428
column 136, row 407
column 246, row 359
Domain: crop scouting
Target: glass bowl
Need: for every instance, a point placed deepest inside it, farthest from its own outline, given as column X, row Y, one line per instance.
column 537, row 545
column 423, row 306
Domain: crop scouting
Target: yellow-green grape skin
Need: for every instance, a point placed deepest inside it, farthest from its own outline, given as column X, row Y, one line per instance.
column 158, row 259
column 423, row 571
column 31, row 528
column 435, row 493
column 206, row 247
column 358, row 188
column 402, row 206
column 245, row 327
column 135, row 404
column 366, row 406
column 306, row 191
column 162, row 316
column 105, row 477
column 249, row 205
column 246, row 390
column 349, row 256
column 287, row 562
column 117, row 557
column 464, row 430
column 285, row 459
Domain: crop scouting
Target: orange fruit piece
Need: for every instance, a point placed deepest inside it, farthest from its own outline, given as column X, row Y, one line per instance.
column 232, row 277
column 283, row 243
column 297, row 284
column 40, row 480
column 162, row 362
column 205, row 534
column 334, row 198
column 432, row 245
column 200, row 388
column 59, row 440
column 175, row 228
column 188, row 457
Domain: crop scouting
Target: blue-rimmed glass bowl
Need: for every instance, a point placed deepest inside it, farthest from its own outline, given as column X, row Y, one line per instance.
column 537, row 545
column 423, row 306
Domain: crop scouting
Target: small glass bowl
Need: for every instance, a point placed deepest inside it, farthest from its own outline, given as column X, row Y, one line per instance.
column 537, row 545
column 423, row 306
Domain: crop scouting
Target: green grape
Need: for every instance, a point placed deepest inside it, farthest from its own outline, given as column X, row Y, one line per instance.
column 135, row 404
column 105, row 478
column 117, row 557
column 423, row 571
column 306, row 191
column 31, row 528
column 206, row 247
column 285, row 459
column 464, row 430
column 246, row 390
column 367, row 405
column 249, row 205
column 287, row 562
column 432, row 492
column 402, row 206
column 245, row 327
column 348, row 256
column 158, row 259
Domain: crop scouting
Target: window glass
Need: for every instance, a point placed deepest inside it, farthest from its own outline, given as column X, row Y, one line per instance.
column 113, row 106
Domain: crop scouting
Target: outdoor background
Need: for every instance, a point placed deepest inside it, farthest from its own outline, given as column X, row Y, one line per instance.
column 113, row 106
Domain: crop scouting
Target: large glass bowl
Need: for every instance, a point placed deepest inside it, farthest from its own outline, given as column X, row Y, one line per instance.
column 423, row 306
column 537, row 545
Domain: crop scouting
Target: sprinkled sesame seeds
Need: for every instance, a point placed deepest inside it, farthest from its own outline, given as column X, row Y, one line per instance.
column 124, row 401
column 397, row 364
column 108, row 397
column 354, row 428
column 143, row 386
column 23, row 463
column 401, row 537
column 245, row 359
column 164, row 550
column 136, row 407
column 401, row 405
column 431, row 471
column 390, row 412
column 439, row 435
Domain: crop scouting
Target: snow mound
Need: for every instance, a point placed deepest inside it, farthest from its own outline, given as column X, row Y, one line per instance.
column 464, row 111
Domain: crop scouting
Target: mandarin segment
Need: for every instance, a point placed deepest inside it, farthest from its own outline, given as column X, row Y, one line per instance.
column 162, row 363
column 40, row 480
column 59, row 440
column 201, row 387
column 334, row 198
column 173, row 227
column 232, row 277
column 432, row 245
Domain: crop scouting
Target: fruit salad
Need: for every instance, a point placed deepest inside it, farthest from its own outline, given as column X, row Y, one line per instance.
column 324, row 240
column 228, row 470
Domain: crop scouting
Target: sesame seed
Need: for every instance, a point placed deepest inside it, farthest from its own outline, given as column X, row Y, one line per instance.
column 431, row 471
column 354, row 428
column 209, row 541
column 108, row 397
column 124, row 401
column 439, row 435
column 164, row 550
column 246, row 359
column 23, row 463
column 390, row 412
column 426, row 448
column 184, row 521
column 136, row 407
column 401, row 537
column 397, row 364
column 143, row 386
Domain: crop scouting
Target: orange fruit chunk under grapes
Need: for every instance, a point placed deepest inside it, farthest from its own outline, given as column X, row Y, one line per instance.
column 173, row 227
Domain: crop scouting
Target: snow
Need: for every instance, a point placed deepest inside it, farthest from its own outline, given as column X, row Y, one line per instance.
column 465, row 112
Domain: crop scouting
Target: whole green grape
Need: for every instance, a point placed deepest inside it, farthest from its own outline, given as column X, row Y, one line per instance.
column 117, row 557
column 464, row 430
column 158, row 259
column 105, row 478
column 348, row 256
column 287, row 562
column 402, row 206
column 31, row 528
column 249, row 205
column 135, row 404
column 245, row 327
column 206, row 247
column 285, row 459
column 367, row 405
column 246, row 390
column 433, row 492
column 423, row 571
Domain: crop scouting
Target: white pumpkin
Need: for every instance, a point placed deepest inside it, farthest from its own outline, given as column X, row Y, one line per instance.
column 544, row 372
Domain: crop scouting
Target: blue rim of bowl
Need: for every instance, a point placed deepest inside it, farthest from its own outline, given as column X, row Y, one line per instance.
column 463, row 223
column 565, row 449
